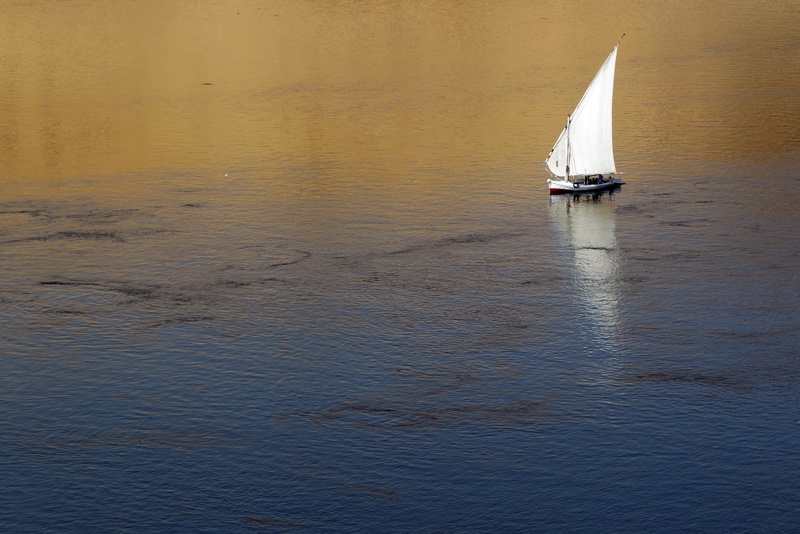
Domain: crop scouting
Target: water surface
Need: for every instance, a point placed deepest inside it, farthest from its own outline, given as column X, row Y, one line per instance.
column 292, row 266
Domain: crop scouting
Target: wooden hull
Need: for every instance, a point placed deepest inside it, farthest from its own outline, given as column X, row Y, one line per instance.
column 559, row 187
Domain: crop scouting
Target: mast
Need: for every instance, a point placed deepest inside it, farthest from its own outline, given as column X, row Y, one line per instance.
column 566, row 130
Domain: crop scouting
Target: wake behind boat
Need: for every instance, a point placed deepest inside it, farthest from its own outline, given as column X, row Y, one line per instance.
column 582, row 159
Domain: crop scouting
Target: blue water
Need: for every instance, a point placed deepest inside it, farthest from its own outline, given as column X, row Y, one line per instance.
column 365, row 313
column 440, row 380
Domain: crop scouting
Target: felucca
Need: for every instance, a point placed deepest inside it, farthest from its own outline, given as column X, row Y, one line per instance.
column 582, row 159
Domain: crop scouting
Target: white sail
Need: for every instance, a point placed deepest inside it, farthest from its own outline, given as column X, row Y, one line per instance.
column 588, row 132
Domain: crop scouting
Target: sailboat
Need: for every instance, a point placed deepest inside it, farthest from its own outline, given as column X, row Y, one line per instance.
column 582, row 159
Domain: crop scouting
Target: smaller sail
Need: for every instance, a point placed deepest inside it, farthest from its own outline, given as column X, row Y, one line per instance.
column 591, row 147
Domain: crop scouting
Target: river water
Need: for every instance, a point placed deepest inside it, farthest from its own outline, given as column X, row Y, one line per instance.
column 292, row 265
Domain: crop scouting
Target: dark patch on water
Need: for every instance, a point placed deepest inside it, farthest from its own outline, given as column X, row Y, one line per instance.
column 271, row 522
column 152, row 231
column 457, row 240
column 647, row 254
column 303, row 256
column 71, row 235
column 102, row 216
column 67, row 283
column 775, row 267
column 544, row 279
column 381, row 278
column 754, row 336
column 137, row 292
column 682, row 256
column 633, row 279
column 91, row 216
column 441, row 385
column 200, row 293
column 143, row 292
column 632, row 208
column 643, row 252
column 148, row 439
column 420, row 280
column 16, row 297
column 483, row 414
column 248, row 283
column 683, row 377
column 173, row 321
column 377, row 415
column 270, row 261
column 519, row 325
column 20, row 212
column 374, row 490
column 64, row 312
column 687, row 223
column 604, row 249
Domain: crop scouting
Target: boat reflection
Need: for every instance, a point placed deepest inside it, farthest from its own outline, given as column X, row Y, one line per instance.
column 585, row 223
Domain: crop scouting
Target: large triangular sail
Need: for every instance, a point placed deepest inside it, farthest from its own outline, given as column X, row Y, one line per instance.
column 587, row 137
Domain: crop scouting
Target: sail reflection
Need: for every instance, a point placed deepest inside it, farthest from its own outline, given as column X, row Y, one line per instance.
column 586, row 224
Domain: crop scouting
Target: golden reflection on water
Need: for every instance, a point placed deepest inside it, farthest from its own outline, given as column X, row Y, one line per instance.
column 118, row 87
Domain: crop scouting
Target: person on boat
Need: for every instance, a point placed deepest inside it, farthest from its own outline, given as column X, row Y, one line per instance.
column 600, row 179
